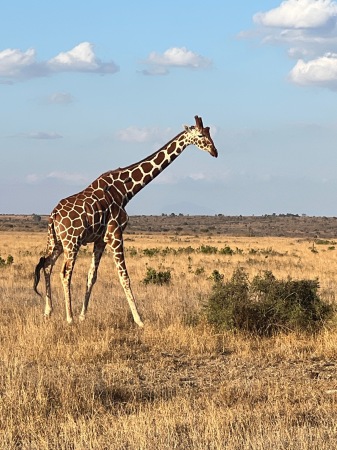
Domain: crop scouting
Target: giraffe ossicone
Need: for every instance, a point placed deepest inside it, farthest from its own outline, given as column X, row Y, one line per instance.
column 97, row 215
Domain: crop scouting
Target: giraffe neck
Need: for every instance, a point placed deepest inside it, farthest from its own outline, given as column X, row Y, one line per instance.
column 130, row 180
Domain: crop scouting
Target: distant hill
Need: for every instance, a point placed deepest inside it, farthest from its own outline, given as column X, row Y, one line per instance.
column 290, row 225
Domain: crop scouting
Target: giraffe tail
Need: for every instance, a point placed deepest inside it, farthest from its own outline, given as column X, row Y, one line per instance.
column 37, row 273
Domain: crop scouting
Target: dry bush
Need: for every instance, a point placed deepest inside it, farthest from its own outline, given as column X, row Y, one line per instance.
column 106, row 384
column 266, row 306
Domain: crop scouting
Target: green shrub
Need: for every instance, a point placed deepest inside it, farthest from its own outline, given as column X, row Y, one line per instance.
column 323, row 242
column 132, row 251
column 266, row 306
column 154, row 277
column 9, row 260
column 199, row 270
column 216, row 276
column 6, row 262
column 208, row 249
column 188, row 250
column 151, row 251
column 226, row 250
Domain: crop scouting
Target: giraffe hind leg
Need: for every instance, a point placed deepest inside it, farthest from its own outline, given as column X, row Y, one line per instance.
column 92, row 275
column 66, row 274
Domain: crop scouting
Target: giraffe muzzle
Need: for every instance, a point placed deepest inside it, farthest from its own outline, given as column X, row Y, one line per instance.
column 214, row 152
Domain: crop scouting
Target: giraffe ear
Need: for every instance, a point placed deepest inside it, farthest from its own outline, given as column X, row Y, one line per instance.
column 186, row 127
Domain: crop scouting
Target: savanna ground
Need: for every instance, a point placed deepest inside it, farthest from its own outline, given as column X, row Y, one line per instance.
column 178, row 383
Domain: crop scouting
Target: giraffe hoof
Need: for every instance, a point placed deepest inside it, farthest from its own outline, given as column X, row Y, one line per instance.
column 82, row 317
column 70, row 321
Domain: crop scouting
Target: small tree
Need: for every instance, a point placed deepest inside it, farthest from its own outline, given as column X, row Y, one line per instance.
column 36, row 218
column 266, row 305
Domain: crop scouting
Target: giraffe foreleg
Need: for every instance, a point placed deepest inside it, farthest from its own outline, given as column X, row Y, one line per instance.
column 66, row 274
column 92, row 275
column 118, row 253
column 47, row 269
column 48, row 265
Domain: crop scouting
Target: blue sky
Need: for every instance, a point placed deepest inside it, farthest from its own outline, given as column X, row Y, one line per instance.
column 86, row 87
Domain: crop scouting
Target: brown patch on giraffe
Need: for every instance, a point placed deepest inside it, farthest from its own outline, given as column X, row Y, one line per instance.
column 171, row 148
column 119, row 185
column 148, row 178
column 103, row 204
column 165, row 164
column 80, row 208
column 66, row 222
column 156, row 172
column 63, row 213
column 95, row 184
column 55, row 217
column 102, row 184
column 63, row 230
column 137, row 175
column 124, row 176
column 147, row 167
column 77, row 223
column 159, row 158
column 99, row 195
column 73, row 215
column 66, row 206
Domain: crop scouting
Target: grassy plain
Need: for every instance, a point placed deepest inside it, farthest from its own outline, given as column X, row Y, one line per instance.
column 176, row 384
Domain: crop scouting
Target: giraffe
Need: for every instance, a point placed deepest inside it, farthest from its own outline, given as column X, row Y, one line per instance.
column 97, row 215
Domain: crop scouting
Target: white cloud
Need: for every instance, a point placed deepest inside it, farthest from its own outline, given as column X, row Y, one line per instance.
column 81, row 59
column 138, row 134
column 309, row 29
column 208, row 175
column 14, row 61
column 175, row 57
column 38, row 135
column 16, row 65
column 60, row 98
column 71, row 178
column 197, row 176
column 155, row 71
column 305, row 14
column 32, row 178
column 42, row 135
column 178, row 57
column 68, row 177
column 321, row 72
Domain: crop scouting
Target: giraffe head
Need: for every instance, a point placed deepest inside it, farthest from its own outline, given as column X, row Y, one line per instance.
column 200, row 137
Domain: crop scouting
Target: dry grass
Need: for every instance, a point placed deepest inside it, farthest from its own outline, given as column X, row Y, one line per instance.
column 104, row 384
